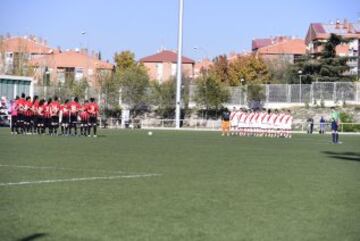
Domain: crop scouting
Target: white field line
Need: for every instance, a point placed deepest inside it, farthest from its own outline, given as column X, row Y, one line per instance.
column 63, row 169
column 219, row 130
column 77, row 179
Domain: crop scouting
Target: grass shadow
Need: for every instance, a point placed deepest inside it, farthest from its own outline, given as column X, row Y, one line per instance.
column 34, row 236
column 347, row 156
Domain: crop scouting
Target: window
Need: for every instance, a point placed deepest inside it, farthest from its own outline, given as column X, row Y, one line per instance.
column 79, row 74
column 61, row 75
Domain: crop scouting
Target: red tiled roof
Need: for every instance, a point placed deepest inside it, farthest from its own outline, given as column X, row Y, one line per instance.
column 318, row 28
column 25, row 45
column 293, row 46
column 259, row 43
column 322, row 31
column 166, row 56
column 71, row 59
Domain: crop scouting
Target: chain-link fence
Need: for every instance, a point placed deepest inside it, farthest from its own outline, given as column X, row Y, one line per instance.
column 336, row 93
column 305, row 93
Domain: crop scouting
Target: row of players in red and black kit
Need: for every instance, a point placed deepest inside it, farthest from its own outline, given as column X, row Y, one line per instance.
column 30, row 116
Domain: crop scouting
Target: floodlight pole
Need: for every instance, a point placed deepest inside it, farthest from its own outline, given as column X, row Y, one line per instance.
column 179, row 64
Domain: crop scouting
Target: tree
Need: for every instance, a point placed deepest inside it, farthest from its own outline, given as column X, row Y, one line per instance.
column 279, row 70
column 220, row 68
column 124, row 60
column 73, row 87
column 109, row 87
column 163, row 97
column 79, row 88
column 250, row 69
column 255, row 95
column 210, row 93
column 325, row 67
column 134, row 82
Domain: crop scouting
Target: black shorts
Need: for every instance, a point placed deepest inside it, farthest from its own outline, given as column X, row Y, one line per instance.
column 55, row 120
column 27, row 119
column 73, row 119
column 41, row 120
column 84, row 121
column 65, row 119
column 47, row 121
column 35, row 119
column 14, row 119
column 20, row 117
column 93, row 120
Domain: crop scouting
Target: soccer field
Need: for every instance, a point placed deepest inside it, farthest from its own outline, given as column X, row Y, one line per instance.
column 126, row 185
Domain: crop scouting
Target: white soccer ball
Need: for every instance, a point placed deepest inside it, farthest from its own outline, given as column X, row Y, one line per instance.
column 150, row 133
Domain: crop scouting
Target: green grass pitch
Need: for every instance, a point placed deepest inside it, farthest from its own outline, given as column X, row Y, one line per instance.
column 209, row 187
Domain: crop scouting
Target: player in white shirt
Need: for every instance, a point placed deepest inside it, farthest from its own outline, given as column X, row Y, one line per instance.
column 249, row 122
column 287, row 124
column 255, row 124
column 260, row 119
column 241, row 124
column 278, row 124
column 271, row 123
column 233, row 121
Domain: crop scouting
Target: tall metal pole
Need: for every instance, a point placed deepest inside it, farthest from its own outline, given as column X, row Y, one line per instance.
column 300, row 90
column 179, row 64
column 358, row 60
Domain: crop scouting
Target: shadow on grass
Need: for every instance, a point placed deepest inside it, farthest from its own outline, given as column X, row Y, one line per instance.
column 348, row 156
column 34, row 236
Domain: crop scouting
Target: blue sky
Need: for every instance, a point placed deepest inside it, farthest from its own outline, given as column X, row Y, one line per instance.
column 144, row 26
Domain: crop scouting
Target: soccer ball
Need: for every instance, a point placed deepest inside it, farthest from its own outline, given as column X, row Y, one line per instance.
column 150, row 133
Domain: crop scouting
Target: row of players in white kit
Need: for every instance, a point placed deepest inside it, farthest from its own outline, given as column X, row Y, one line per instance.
column 261, row 123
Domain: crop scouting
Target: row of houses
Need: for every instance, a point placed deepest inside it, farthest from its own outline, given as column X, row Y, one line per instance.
column 42, row 62
column 53, row 64
column 289, row 49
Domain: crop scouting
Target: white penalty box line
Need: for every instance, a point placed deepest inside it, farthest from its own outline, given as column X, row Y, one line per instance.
column 77, row 179
column 67, row 169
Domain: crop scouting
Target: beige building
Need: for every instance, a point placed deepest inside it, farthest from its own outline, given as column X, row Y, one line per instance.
column 162, row 66
column 16, row 52
column 72, row 64
column 31, row 56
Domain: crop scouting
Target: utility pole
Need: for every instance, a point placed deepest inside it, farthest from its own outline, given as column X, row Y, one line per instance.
column 358, row 61
column 179, row 65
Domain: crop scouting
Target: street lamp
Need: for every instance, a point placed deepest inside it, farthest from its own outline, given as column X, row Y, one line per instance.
column 300, row 74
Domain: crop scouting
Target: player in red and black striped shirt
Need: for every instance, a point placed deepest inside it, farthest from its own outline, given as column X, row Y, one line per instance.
column 35, row 119
column 65, row 115
column 40, row 117
column 27, row 114
column 74, row 107
column 20, row 108
column 84, row 117
column 47, row 116
column 93, row 110
column 54, row 111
